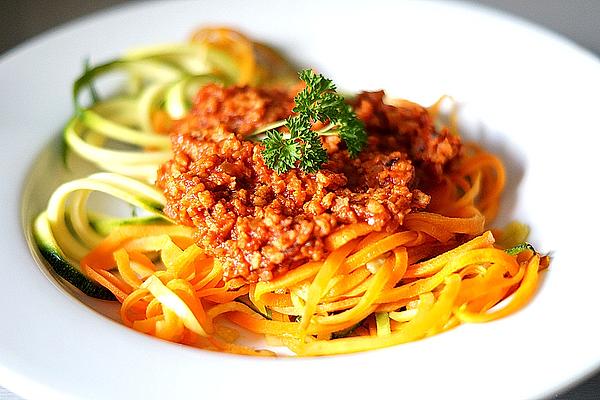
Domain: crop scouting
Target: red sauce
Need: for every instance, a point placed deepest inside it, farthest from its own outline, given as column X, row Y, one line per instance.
column 259, row 223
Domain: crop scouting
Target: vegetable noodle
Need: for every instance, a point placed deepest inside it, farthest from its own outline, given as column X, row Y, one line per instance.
column 443, row 266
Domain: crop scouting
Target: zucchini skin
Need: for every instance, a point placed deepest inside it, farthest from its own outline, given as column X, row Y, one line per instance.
column 74, row 276
column 59, row 264
column 104, row 226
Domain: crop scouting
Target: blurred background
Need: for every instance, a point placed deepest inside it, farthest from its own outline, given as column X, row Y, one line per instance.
column 577, row 20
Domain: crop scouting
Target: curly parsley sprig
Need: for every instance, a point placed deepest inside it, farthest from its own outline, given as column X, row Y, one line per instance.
column 301, row 146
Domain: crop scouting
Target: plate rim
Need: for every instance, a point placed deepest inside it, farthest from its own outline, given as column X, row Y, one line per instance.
column 75, row 24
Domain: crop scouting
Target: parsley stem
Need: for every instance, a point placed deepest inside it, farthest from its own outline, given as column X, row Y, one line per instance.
column 263, row 129
column 328, row 130
column 258, row 135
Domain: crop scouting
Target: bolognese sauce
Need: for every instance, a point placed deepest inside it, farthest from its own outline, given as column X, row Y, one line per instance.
column 259, row 223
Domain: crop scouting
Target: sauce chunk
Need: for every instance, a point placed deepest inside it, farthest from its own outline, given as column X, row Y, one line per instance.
column 258, row 223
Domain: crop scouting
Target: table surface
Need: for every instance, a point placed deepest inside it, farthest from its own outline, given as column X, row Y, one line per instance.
column 577, row 20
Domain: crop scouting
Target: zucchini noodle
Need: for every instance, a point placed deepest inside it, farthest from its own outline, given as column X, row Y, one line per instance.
column 373, row 289
column 126, row 132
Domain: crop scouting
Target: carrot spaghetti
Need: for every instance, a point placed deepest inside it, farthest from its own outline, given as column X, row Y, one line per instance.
column 394, row 251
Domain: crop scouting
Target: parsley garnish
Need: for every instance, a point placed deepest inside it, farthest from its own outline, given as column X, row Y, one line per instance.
column 301, row 147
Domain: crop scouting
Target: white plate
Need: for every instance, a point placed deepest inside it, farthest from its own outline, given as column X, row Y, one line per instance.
column 532, row 97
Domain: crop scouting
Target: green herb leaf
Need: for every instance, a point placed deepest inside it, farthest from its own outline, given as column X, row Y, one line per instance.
column 314, row 155
column 352, row 132
column 280, row 154
column 302, row 148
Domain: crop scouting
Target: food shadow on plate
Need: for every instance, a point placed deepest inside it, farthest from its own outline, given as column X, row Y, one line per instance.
column 473, row 129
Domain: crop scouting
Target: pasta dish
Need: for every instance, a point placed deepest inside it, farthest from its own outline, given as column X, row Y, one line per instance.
column 263, row 200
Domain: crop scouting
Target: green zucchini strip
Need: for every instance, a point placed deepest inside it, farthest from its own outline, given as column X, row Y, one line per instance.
column 117, row 134
column 134, row 163
column 61, row 264
column 75, row 236
column 67, row 230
